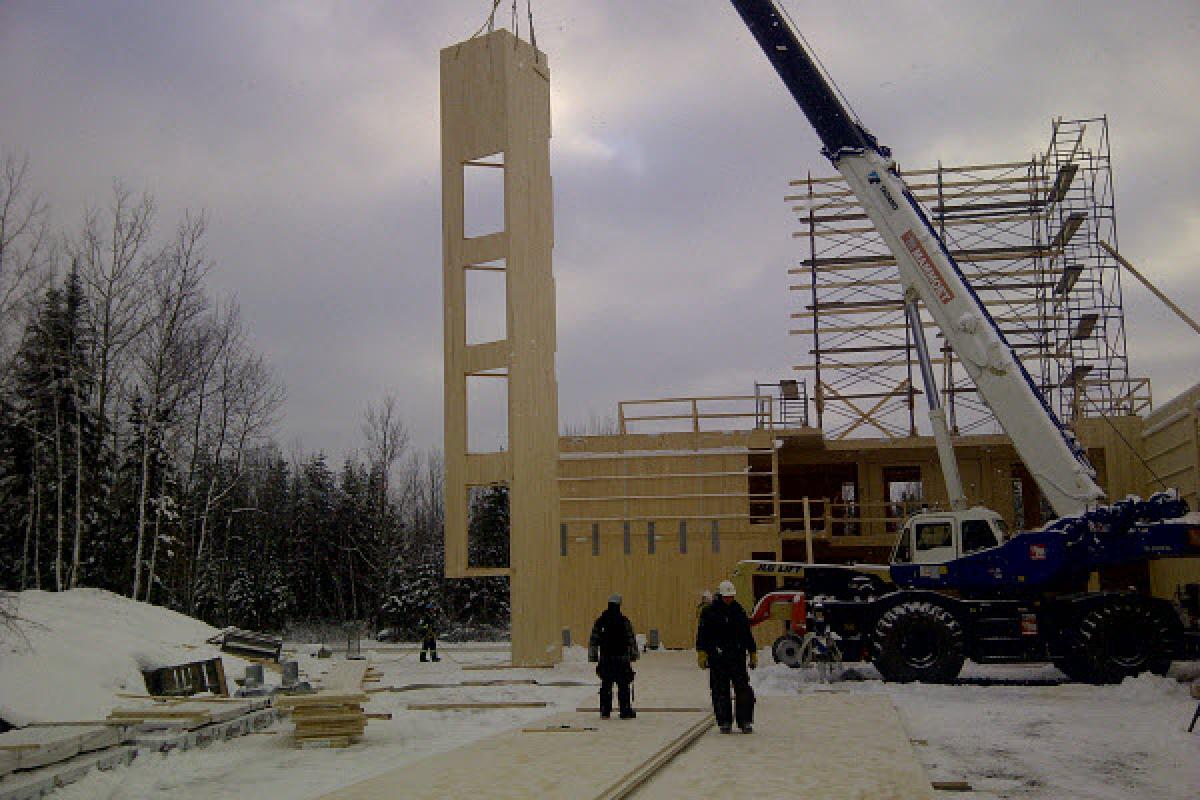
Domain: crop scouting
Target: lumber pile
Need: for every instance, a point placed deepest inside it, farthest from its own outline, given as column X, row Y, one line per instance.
column 174, row 716
column 328, row 718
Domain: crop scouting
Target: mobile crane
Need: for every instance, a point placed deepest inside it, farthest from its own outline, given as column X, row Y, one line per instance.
column 957, row 586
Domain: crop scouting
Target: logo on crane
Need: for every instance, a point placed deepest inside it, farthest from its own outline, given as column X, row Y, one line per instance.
column 927, row 267
column 874, row 179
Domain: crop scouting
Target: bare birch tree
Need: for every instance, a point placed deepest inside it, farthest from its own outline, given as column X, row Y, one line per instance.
column 116, row 261
column 25, row 249
column 166, row 352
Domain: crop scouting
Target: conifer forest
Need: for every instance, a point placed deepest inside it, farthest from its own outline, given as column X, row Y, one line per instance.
column 137, row 449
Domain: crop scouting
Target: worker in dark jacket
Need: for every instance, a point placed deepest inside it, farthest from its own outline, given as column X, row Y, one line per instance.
column 723, row 642
column 428, row 631
column 613, row 647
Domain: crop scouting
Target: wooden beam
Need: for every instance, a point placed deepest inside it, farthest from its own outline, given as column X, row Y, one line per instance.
column 1179, row 312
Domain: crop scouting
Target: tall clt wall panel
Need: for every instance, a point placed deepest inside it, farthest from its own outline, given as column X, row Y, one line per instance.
column 496, row 117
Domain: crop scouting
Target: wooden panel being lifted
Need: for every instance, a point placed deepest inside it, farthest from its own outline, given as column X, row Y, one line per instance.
column 496, row 101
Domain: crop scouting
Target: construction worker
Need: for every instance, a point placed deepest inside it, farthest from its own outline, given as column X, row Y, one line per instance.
column 613, row 648
column 706, row 598
column 428, row 631
column 723, row 643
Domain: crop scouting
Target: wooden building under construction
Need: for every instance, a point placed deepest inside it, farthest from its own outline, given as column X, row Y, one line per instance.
column 823, row 466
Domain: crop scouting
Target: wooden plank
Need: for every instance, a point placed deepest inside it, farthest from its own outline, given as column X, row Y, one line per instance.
column 502, row 666
column 800, row 741
column 518, row 764
column 630, row 781
column 652, row 709
column 476, row 706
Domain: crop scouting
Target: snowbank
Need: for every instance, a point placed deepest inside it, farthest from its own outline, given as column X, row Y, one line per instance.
column 77, row 649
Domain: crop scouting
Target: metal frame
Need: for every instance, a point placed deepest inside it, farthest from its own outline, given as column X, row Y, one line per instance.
column 1026, row 234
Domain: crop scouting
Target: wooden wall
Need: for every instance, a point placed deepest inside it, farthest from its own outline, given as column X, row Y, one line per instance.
column 1171, row 442
column 670, row 481
column 694, row 479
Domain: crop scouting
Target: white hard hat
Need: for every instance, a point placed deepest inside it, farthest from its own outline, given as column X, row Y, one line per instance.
column 726, row 589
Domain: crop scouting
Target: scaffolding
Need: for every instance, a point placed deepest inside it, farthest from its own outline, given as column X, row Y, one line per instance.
column 1026, row 235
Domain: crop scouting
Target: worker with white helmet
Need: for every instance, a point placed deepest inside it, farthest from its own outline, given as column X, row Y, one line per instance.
column 723, row 643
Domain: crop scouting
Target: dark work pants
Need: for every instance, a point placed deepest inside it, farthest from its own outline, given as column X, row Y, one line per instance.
column 429, row 646
column 620, row 673
column 720, row 675
column 623, row 699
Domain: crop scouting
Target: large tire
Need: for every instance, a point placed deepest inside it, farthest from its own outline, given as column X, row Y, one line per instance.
column 918, row 641
column 786, row 650
column 1120, row 638
column 1073, row 668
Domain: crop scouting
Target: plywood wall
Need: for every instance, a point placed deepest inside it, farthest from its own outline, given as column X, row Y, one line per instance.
column 1171, row 441
column 679, row 485
column 496, row 106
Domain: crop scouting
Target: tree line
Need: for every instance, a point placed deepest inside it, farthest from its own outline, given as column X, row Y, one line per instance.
column 137, row 451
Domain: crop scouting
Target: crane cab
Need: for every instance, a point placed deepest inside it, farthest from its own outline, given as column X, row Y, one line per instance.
column 939, row 537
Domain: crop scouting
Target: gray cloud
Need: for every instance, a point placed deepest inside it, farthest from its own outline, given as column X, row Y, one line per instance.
column 309, row 133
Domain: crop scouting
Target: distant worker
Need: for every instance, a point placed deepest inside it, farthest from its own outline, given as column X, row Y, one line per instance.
column 706, row 598
column 723, row 643
column 613, row 648
column 428, row 631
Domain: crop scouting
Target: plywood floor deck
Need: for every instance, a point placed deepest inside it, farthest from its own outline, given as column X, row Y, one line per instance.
column 815, row 745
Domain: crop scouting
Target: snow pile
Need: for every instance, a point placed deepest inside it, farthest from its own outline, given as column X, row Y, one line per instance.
column 76, row 650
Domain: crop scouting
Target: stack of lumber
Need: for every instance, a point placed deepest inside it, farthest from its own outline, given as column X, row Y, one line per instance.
column 175, row 716
column 32, row 747
column 328, row 718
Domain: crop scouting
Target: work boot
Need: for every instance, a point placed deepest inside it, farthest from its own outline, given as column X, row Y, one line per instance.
column 434, row 657
column 605, row 715
column 423, row 655
column 747, row 728
column 726, row 729
column 628, row 713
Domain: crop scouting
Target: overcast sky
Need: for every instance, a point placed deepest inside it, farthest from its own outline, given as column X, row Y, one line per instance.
column 308, row 132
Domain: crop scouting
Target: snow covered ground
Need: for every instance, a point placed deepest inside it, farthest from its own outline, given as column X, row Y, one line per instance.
column 1006, row 740
column 1041, row 741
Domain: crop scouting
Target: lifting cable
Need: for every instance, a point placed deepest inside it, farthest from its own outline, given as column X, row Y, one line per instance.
column 489, row 24
column 796, row 30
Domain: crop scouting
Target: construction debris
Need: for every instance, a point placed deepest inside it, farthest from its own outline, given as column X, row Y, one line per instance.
column 248, row 643
column 191, row 678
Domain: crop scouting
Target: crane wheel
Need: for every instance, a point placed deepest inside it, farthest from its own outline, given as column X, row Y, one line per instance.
column 787, row 649
column 918, row 641
column 1074, row 668
column 1123, row 637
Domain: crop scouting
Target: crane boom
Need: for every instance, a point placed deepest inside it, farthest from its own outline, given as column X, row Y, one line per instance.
column 927, row 271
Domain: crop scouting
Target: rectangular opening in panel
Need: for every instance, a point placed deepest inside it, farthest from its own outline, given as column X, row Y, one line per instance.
column 487, row 317
column 487, row 413
column 483, row 196
column 488, row 527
